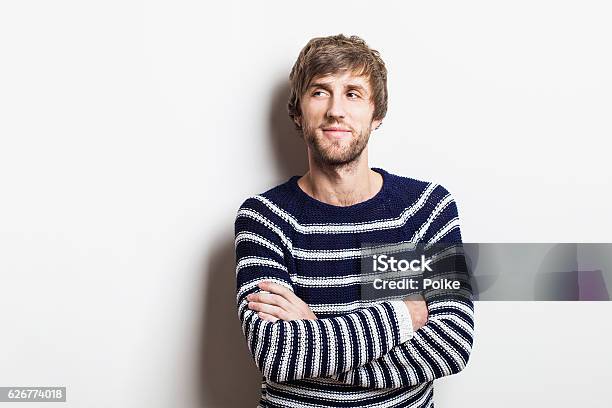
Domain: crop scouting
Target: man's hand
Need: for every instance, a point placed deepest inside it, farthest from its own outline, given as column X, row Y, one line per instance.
column 281, row 303
column 418, row 312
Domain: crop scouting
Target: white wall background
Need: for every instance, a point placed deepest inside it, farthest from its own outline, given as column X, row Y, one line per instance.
column 132, row 130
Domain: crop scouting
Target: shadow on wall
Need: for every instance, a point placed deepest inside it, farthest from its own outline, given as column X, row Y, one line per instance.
column 288, row 148
column 228, row 376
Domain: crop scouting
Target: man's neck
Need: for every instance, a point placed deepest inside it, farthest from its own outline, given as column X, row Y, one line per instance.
column 341, row 185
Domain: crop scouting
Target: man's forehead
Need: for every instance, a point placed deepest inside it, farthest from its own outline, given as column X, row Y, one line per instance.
column 344, row 77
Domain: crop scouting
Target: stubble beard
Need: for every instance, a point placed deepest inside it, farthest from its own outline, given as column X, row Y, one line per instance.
column 331, row 154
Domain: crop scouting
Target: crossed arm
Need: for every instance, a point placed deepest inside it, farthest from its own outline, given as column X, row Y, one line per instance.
column 391, row 344
column 440, row 345
column 280, row 303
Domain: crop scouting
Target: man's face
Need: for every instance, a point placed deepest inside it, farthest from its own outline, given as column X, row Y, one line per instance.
column 337, row 117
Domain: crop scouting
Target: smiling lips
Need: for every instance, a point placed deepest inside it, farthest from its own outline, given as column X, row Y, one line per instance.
column 337, row 132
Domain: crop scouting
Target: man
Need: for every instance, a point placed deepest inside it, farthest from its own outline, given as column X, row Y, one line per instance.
column 299, row 246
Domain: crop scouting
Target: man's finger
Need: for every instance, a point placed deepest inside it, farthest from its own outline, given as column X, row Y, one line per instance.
column 267, row 317
column 279, row 290
column 269, row 309
column 271, row 299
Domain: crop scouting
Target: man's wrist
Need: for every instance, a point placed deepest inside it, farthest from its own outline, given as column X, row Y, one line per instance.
column 404, row 320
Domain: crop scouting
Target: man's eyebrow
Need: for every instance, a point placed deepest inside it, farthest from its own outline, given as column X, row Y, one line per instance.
column 357, row 87
column 323, row 85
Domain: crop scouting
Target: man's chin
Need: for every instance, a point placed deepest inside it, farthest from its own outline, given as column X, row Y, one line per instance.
column 335, row 152
column 337, row 159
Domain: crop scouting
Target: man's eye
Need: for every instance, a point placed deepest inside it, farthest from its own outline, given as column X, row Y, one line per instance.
column 353, row 93
column 316, row 92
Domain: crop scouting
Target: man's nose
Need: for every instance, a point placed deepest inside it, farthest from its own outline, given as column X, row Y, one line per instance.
column 336, row 107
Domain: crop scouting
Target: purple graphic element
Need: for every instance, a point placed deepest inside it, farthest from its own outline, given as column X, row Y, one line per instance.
column 592, row 285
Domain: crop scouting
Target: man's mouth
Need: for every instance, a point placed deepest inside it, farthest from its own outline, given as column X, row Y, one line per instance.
column 337, row 132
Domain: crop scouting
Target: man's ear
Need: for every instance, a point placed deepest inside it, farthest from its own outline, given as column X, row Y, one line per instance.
column 298, row 121
column 376, row 123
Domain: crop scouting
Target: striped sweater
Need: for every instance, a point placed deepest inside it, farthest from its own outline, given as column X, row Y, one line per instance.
column 358, row 353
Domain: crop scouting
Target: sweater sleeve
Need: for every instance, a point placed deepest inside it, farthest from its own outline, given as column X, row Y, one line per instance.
column 443, row 345
column 297, row 349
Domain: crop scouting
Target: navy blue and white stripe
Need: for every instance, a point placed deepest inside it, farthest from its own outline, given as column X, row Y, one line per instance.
column 358, row 353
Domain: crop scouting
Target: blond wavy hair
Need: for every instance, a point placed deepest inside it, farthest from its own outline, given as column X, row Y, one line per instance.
column 330, row 55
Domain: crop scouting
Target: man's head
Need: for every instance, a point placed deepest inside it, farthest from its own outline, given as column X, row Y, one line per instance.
column 338, row 94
